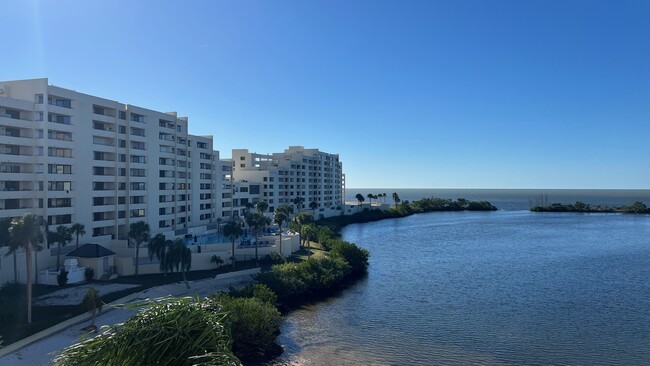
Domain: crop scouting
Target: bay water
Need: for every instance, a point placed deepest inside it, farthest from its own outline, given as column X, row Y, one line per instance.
column 509, row 287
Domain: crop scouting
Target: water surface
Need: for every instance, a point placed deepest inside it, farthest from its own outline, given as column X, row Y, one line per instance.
column 506, row 287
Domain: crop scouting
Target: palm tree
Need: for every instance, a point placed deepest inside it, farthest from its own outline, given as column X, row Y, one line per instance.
column 78, row 229
column 298, row 202
column 307, row 233
column 233, row 230
column 257, row 222
column 92, row 302
column 370, row 197
column 26, row 231
column 216, row 260
column 138, row 231
column 61, row 237
column 179, row 257
column 360, row 198
column 279, row 216
column 313, row 205
column 262, row 206
column 396, row 198
column 156, row 248
column 248, row 206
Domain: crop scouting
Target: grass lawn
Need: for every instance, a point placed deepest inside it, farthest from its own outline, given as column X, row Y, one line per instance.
column 316, row 252
column 13, row 298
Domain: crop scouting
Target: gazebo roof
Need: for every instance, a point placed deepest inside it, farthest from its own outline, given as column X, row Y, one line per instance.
column 91, row 251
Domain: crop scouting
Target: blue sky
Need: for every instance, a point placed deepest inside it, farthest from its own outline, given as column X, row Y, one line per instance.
column 431, row 94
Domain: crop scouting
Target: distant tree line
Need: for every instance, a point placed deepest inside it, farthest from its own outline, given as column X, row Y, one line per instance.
column 635, row 208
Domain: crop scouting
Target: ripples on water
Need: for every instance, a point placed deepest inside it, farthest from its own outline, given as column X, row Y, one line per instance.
column 497, row 288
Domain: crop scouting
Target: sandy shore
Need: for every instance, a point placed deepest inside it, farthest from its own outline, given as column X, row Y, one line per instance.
column 43, row 351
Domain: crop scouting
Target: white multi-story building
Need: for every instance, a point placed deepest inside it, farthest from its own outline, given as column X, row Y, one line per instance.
column 298, row 177
column 77, row 158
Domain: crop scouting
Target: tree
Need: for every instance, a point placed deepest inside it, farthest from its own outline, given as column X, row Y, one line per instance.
column 92, row 302
column 216, row 260
column 248, row 206
column 233, row 230
column 300, row 220
column 257, row 222
column 138, row 231
column 61, row 237
column 370, row 197
column 279, row 216
column 26, row 231
column 156, row 248
column 307, row 233
column 178, row 257
column 78, row 229
column 313, row 205
column 360, row 198
column 396, row 198
column 262, row 206
column 298, row 202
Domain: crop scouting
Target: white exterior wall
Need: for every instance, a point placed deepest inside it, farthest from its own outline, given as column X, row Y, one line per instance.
column 310, row 174
column 98, row 162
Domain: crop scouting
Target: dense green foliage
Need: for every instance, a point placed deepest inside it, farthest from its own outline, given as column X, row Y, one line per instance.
column 295, row 282
column 256, row 290
column 175, row 332
column 356, row 257
column 634, row 208
column 253, row 325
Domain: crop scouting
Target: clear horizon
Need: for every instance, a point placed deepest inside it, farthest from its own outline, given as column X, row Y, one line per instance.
column 531, row 95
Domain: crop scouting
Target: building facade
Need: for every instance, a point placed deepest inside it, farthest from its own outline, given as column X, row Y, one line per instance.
column 77, row 158
column 307, row 179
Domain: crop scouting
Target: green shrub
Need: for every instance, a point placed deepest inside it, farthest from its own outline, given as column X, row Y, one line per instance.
column 89, row 273
column 253, row 325
column 256, row 290
column 301, row 281
column 356, row 257
column 181, row 331
column 62, row 277
column 274, row 258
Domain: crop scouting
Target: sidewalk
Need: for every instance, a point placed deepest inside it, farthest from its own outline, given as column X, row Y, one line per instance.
column 42, row 347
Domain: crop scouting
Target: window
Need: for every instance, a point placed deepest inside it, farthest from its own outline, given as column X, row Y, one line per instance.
column 59, row 186
column 137, row 172
column 138, row 159
column 38, row 98
column 121, row 200
column 56, row 118
column 59, row 135
column 98, row 110
column 59, row 169
column 121, row 129
column 122, row 115
column 122, row 143
column 201, row 145
column 137, row 117
column 138, row 186
column 59, row 152
column 138, row 145
column 137, row 131
column 137, row 213
column 59, row 202
column 137, row 200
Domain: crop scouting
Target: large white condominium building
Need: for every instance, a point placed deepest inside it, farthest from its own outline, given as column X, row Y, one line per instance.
column 77, row 158
column 307, row 179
